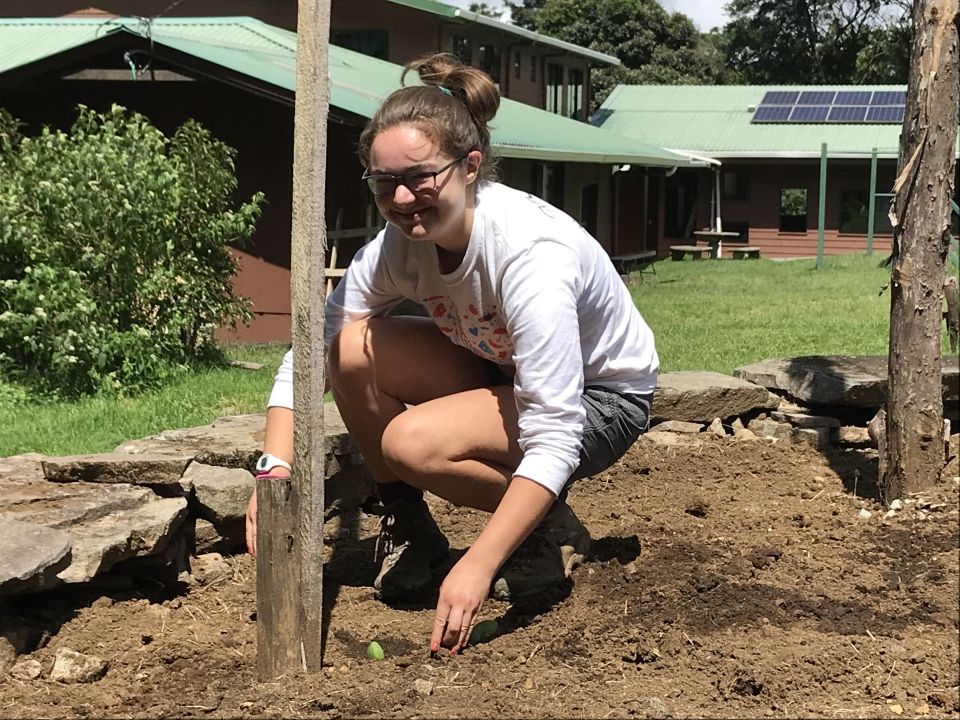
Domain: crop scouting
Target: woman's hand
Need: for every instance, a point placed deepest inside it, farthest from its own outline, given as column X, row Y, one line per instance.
column 462, row 594
column 251, row 518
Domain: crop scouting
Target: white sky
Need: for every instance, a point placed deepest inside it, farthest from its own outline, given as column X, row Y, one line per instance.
column 706, row 14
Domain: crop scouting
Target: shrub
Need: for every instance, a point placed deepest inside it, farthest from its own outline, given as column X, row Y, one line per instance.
column 114, row 257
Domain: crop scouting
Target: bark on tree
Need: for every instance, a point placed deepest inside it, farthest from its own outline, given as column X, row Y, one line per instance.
column 290, row 512
column 921, row 217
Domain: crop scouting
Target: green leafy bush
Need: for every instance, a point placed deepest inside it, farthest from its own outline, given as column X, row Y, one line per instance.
column 114, row 257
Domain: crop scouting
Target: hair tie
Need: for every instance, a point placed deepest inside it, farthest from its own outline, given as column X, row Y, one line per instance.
column 445, row 90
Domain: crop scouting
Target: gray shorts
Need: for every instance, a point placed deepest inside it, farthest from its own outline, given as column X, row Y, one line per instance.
column 614, row 422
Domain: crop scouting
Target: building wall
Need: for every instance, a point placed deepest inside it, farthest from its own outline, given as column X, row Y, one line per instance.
column 759, row 208
column 282, row 13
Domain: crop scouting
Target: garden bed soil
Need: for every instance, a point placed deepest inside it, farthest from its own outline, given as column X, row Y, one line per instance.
column 728, row 579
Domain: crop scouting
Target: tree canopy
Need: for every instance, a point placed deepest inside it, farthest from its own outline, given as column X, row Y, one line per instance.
column 764, row 42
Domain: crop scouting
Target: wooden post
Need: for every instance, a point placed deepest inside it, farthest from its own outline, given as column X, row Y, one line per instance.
column 290, row 513
column 921, row 237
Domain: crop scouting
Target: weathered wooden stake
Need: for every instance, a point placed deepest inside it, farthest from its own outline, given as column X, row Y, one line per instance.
column 921, row 213
column 290, row 513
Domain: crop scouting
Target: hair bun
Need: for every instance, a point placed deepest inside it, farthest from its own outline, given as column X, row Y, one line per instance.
column 473, row 87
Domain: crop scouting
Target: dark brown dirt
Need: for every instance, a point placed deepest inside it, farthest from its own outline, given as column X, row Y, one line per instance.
column 729, row 580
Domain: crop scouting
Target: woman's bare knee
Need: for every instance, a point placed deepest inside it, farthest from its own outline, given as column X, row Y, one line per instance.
column 409, row 448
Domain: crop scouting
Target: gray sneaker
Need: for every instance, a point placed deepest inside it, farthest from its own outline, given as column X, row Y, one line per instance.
column 409, row 548
column 557, row 546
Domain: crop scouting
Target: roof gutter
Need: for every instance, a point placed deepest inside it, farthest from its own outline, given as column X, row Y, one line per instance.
column 521, row 152
column 696, row 160
column 535, row 37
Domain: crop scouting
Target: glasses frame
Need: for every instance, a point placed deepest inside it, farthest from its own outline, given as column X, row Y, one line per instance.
column 402, row 178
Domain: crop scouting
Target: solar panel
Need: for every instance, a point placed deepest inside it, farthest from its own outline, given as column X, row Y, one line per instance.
column 886, row 114
column 847, row 113
column 889, row 97
column 816, row 97
column 780, row 97
column 809, row 113
column 852, row 97
column 772, row 113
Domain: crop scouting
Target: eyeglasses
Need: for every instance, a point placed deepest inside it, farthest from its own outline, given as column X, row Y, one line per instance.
column 417, row 181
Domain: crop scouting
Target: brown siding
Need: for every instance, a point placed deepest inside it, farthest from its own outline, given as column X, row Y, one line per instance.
column 761, row 207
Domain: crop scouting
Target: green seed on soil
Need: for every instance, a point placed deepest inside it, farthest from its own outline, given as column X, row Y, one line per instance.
column 483, row 632
column 374, row 651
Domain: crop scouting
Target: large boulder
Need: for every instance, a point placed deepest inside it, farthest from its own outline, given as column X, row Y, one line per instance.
column 844, row 380
column 696, row 396
column 105, row 523
column 32, row 556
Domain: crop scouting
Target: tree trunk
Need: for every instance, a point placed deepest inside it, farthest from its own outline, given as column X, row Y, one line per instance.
column 921, row 216
column 290, row 512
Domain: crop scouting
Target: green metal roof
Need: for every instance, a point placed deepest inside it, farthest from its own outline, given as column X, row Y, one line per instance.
column 449, row 11
column 359, row 83
column 715, row 121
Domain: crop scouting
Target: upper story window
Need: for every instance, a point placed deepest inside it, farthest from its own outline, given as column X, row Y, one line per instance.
column 554, row 88
column 489, row 57
column 517, row 61
column 462, row 48
column 369, row 42
column 533, row 68
column 575, row 94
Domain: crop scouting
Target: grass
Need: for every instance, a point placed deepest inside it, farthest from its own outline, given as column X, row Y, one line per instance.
column 706, row 315
column 709, row 315
column 96, row 425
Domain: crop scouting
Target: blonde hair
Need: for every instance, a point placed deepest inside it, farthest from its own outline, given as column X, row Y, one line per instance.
column 452, row 108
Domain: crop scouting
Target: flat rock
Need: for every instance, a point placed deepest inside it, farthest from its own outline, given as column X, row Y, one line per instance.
column 695, row 396
column 21, row 467
column 803, row 420
column 116, row 468
column 237, row 441
column 32, row 556
column 105, row 523
column 26, row 669
column 655, row 437
column 847, row 380
column 678, row 426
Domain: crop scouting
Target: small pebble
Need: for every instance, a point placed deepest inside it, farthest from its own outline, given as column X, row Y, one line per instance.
column 864, row 514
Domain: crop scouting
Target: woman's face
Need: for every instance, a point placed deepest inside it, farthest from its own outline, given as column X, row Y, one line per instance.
column 437, row 214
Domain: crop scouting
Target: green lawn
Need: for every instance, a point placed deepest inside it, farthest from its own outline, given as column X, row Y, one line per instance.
column 710, row 315
column 706, row 315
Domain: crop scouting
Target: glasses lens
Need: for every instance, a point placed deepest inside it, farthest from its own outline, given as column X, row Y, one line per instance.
column 419, row 181
column 381, row 184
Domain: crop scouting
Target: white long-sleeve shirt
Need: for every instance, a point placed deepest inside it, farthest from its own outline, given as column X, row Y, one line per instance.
column 535, row 294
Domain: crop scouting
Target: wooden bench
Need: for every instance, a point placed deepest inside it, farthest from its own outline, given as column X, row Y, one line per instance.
column 678, row 252
column 640, row 260
column 746, row 251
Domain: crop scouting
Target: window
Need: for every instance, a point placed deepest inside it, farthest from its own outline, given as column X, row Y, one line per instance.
column 734, row 186
column 575, row 94
column 554, row 88
column 462, row 48
column 490, row 61
column 855, row 210
column 517, row 58
column 533, row 68
column 548, row 182
column 793, row 210
column 369, row 42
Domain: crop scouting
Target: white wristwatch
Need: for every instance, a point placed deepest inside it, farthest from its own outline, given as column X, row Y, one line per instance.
column 268, row 462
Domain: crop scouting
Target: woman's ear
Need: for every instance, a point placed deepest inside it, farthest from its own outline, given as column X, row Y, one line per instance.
column 474, row 158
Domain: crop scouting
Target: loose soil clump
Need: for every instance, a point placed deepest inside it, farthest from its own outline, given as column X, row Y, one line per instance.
column 727, row 579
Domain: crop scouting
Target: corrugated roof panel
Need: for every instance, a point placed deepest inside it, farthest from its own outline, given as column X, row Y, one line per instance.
column 715, row 120
column 358, row 82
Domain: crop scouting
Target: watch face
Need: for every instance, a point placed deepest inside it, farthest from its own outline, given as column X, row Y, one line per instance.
column 262, row 463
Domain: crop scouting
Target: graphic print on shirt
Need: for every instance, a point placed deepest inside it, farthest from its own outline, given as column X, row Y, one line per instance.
column 484, row 333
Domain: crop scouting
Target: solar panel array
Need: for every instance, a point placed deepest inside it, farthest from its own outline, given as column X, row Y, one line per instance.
column 831, row 106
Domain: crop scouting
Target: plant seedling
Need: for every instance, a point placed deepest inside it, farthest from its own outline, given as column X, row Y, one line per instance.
column 374, row 651
column 483, row 632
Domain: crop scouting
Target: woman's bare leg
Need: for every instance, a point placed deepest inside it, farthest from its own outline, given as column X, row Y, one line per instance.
column 459, row 441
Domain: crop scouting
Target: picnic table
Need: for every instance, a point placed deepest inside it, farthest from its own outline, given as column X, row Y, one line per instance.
column 714, row 238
